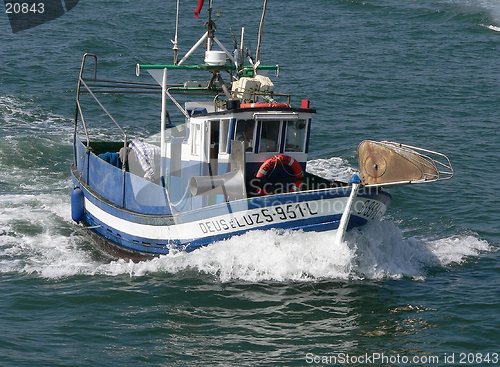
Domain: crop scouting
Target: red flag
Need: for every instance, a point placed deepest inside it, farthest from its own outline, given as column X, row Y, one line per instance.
column 198, row 8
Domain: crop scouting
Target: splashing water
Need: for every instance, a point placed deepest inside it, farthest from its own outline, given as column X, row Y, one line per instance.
column 37, row 239
column 493, row 28
column 299, row 256
column 25, row 117
column 334, row 168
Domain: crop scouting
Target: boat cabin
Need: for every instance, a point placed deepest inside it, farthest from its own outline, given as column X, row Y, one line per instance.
column 217, row 143
column 243, row 142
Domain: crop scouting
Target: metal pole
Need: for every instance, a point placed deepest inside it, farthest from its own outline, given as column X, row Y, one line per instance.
column 200, row 41
column 346, row 215
column 231, row 57
column 211, row 28
column 163, row 123
column 261, row 28
column 175, row 47
column 242, row 56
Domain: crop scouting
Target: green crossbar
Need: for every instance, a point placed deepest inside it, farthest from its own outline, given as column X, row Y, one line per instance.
column 247, row 70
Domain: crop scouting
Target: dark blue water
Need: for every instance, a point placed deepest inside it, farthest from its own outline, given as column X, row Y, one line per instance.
column 422, row 283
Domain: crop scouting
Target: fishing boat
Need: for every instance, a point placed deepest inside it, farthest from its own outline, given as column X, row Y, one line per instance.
column 234, row 161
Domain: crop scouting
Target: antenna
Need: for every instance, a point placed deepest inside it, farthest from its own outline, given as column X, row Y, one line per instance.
column 242, row 56
column 208, row 37
column 210, row 26
column 261, row 28
column 175, row 48
column 235, row 50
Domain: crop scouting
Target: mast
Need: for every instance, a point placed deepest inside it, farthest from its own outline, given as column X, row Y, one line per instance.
column 208, row 38
column 242, row 50
column 261, row 28
column 175, row 48
column 210, row 27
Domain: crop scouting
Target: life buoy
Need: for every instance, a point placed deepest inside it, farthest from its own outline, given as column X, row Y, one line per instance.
column 285, row 160
column 264, row 105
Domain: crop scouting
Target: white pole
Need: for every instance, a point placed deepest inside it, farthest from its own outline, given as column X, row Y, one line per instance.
column 209, row 39
column 347, row 214
column 163, row 147
column 175, row 47
column 200, row 41
column 241, row 43
column 209, row 44
column 225, row 50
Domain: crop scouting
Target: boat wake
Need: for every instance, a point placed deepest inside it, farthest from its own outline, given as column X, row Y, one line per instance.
column 491, row 27
column 299, row 256
column 32, row 142
column 36, row 238
column 334, row 168
column 24, row 117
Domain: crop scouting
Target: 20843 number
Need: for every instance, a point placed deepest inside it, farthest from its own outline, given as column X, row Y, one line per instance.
column 478, row 358
column 24, row 8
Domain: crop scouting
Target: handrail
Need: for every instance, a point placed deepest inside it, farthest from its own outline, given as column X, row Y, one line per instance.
column 183, row 111
column 78, row 108
column 79, row 112
column 440, row 162
column 267, row 96
column 104, row 109
column 87, row 89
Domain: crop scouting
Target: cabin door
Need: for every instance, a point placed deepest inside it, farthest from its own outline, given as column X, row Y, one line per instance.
column 213, row 149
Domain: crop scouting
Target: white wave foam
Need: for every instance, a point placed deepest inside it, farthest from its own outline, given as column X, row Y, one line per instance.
column 492, row 27
column 27, row 165
column 37, row 237
column 378, row 252
column 33, row 208
column 383, row 252
column 257, row 256
column 19, row 115
column 334, row 168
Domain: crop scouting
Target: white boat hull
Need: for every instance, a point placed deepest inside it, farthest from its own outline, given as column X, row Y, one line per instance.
column 151, row 235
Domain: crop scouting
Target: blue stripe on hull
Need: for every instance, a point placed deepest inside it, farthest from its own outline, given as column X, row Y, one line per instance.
column 124, row 240
column 316, row 227
column 147, row 247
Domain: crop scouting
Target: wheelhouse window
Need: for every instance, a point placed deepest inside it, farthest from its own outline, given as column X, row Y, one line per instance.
column 245, row 133
column 269, row 137
column 295, row 135
column 224, row 130
column 195, row 139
